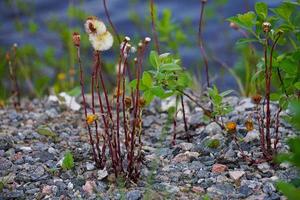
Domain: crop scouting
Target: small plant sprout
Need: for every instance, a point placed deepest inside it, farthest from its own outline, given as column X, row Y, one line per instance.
column 68, row 161
column 15, row 90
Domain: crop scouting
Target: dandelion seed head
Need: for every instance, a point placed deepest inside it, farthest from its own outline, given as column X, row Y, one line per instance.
column 94, row 26
column 101, row 42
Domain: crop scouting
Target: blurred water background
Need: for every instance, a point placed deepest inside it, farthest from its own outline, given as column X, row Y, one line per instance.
column 219, row 37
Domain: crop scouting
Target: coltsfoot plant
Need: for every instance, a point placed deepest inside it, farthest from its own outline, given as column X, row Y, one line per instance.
column 276, row 68
column 117, row 121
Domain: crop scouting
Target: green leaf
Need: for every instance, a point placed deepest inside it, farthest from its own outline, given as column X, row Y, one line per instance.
column 32, row 27
column 75, row 92
column 184, row 80
column 288, row 190
column 261, row 9
column 133, row 83
column 68, row 161
column 227, row 92
column 170, row 67
column 284, row 11
column 274, row 96
column 246, row 41
column 147, row 79
column 46, row 131
column 154, row 60
column 148, row 96
column 246, row 20
column 297, row 85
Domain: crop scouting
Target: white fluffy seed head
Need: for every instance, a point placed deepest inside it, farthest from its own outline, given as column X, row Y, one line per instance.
column 94, row 26
column 101, row 42
column 147, row 39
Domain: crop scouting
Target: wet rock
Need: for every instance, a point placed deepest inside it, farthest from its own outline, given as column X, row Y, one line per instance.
column 134, row 195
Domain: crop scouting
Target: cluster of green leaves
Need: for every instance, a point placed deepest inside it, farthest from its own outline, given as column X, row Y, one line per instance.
column 220, row 108
column 286, row 65
column 292, row 190
column 166, row 77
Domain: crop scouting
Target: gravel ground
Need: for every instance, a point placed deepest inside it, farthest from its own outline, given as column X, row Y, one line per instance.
column 34, row 140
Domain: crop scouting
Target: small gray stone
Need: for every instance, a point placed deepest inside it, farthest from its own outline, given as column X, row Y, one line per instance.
column 245, row 191
column 5, row 166
column 134, row 195
column 269, row 188
column 6, row 142
column 213, row 129
column 90, row 166
column 251, row 136
column 263, row 167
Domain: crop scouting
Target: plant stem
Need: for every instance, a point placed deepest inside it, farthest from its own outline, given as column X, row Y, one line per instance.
column 96, row 63
column 84, row 104
column 118, row 101
column 200, row 42
column 184, row 119
column 110, row 21
column 277, row 129
column 154, row 33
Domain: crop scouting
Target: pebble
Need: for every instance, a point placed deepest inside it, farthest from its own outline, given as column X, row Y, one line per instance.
column 251, row 136
column 236, row 175
column 263, row 167
column 134, row 195
column 101, row 174
column 219, row 168
column 213, row 129
column 185, row 157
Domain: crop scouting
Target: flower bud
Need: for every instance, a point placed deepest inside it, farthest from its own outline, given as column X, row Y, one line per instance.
column 231, row 127
column 76, row 39
column 256, row 99
column 234, row 26
column 266, row 27
column 127, row 102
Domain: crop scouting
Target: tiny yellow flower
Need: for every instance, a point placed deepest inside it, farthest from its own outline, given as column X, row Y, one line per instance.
column 61, row 76
column 91, row 118
column 249, row 125
column 231, row 127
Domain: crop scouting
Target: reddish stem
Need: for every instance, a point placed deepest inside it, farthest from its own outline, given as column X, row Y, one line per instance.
column 84, row 105
column 156, row 42
column 200, row 43
column 110, row 21
column 184, row 119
